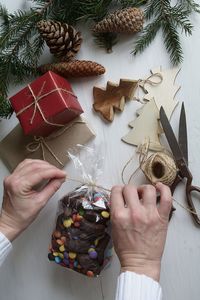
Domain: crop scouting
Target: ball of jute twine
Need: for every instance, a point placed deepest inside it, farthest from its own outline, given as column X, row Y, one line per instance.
column 159, row 167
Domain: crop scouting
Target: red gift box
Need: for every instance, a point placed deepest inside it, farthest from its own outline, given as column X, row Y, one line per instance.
column 46, row 105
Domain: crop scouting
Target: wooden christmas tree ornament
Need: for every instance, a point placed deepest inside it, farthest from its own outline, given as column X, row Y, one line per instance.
column 158, row 93
column 113, row 97
column 165, row 91
column 145, row 126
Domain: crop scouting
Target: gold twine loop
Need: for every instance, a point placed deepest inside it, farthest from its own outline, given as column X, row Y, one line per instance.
column 159, row 167
column 35, row 103
column 40, row 143
column 149, row 80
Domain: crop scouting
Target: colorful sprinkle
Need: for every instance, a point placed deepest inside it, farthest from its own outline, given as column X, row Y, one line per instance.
column 105, row 214
column 91, row 250
column 75, row 264
column 67, row 223
column 72, row 255
column 78, row 218
column 81, row 212
column 58, row 259
column 62, row 248
column 57, row 234
column 90, row 274
column 93, row 254
column 66, row 255
column 63, row 238
column 61, row 255
column 59, row 242
column 55, row 253
column 96, row 242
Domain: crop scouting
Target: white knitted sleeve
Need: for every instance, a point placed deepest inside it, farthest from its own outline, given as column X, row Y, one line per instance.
column 132, row 286
column 5, row 247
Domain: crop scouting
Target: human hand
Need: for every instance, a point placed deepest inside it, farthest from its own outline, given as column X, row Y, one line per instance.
column 21, row 202
column 139, row 227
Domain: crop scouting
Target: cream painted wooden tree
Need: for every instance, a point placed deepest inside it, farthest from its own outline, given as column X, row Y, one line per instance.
column 145, row 127
column 160, row 91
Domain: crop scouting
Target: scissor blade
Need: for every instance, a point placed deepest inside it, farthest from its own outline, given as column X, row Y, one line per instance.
column 183, row 134
column 172, row 141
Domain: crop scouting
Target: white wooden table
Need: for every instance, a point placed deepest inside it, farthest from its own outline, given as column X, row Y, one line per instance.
column 27, row 273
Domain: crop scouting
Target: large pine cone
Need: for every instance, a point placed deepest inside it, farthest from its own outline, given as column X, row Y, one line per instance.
column 128, row 20
column 62, row 39
column 76, row 68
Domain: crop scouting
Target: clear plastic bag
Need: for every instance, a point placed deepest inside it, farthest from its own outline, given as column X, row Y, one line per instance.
column 81, row 240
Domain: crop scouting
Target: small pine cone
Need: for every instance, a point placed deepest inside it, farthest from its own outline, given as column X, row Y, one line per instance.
column 76, row 68
column 62, row 39
column 128, row 20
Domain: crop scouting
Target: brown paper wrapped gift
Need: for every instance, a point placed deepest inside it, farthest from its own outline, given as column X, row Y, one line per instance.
column 15, row 147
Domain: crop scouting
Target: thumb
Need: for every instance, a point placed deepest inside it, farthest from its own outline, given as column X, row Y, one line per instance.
column 50, row 189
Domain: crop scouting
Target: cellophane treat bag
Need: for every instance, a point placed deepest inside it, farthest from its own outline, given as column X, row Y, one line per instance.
column 81, row 240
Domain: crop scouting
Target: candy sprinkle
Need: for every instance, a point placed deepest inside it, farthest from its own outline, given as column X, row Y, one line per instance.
column 90, row 274
column 58, row 259
column 62, row 248
column 105, row 214
column 61, row 255
column 72, row 255
column 91, row 250
column 67, row 223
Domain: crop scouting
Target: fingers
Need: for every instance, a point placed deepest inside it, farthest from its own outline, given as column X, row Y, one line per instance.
column 50, row 189
column 147, row 195
column 33, row 178
column 28, row 162
column 131, row 198
column 165, row 200
column 117, row 201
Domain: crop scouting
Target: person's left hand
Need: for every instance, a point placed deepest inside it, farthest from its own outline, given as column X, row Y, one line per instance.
column 21, row 201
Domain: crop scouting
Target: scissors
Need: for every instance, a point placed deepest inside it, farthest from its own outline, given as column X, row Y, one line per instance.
column 180, row 152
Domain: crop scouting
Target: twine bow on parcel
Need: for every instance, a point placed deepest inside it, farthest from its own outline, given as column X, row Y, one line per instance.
column 40, row 142
column 36, row 104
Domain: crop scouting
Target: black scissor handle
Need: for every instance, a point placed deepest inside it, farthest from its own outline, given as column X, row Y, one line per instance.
column 189, row 190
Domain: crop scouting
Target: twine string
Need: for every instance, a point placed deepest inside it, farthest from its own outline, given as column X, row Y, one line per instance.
column 142, row 82
column 92, row 184
column 36, row 100
column 143, row 158
column 41, row 142
column 150, row 81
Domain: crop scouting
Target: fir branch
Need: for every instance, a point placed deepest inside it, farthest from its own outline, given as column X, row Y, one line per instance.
column 172, row 42
column 148, row 35
column 170, row 19
column 5, row 108
column 106, row 40
column 132, row 3
column 190, row 5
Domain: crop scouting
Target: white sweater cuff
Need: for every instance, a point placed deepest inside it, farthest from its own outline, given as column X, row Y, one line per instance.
column 5, row 247
column 132, row 286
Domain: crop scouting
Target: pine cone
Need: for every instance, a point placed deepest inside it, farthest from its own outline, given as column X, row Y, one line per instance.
column 76, row 68
column 62, row 39
column 128, row 20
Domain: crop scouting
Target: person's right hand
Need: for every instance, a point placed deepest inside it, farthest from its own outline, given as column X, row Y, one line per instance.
column 21, row 201
column 139, row 227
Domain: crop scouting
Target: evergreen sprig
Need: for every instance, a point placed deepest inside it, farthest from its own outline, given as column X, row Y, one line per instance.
column 170, row 19
column 21, row 44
